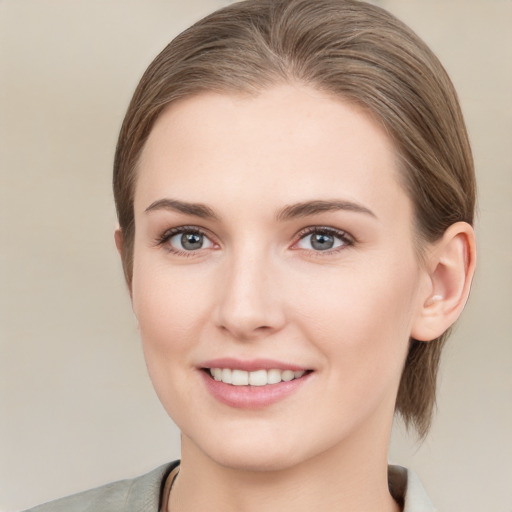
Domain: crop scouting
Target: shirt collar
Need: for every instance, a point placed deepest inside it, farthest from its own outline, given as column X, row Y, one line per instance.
column 405, row 486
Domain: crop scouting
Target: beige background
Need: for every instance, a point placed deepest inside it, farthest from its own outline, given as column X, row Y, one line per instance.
column 76, row 406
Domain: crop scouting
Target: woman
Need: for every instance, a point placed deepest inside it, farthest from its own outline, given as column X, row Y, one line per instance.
column 295, row 194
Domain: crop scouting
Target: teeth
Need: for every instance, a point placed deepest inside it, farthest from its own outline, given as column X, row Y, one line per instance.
column 287, row 375
column 256, row 378
column 226, row 376
column 273, row 376
column 239, row 378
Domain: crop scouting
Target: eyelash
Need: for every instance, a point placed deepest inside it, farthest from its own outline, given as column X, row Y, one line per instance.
column 163, row 239
column 346, row 239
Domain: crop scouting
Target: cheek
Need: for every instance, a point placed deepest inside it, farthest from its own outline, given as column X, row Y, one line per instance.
column 168, row 313
column 362, row 330
column 168, row 308
column 362, row 317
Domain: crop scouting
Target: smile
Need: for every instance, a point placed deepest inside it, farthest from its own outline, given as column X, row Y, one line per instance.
column 237, row 377
column 253, row 384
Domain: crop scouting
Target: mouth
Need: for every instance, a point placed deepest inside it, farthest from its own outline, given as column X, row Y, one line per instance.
column 253, row 384
column 261, row 377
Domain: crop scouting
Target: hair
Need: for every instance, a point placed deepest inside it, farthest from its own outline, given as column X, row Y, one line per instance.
column 354, row 51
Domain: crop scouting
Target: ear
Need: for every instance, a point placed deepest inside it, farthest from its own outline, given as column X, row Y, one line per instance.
column 450, row 267
column 119, row 239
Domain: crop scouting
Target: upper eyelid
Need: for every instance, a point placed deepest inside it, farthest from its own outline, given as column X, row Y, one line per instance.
column 326, row 229
column 348, row 241
column 169, row 233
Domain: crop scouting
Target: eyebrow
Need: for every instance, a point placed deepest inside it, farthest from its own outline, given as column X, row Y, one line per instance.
column 196, row 209
column 303, row 209
column 315, row 207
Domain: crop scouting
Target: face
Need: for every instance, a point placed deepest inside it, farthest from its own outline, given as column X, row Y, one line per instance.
column 273, row 242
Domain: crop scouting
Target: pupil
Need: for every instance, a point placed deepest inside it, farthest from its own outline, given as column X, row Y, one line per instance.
column 192, row 241
column 322, row 242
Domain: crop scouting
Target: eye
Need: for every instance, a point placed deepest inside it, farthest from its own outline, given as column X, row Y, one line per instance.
column 323, row 239
column 190, row 241
column 183, row 239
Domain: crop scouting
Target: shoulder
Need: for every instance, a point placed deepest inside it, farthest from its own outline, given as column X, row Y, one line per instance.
column 141, row 494
column 407, row 489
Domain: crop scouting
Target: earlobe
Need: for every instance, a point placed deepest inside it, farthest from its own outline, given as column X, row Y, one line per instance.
column 450, row 266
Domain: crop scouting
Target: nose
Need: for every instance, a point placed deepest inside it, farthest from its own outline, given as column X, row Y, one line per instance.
column 251, row 302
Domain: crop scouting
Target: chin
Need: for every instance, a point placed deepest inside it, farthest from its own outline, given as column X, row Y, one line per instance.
column 256, row 462
column 248, row 454
column 260, row 453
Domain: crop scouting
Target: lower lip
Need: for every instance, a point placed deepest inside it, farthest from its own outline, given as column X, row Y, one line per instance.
column 252, row 397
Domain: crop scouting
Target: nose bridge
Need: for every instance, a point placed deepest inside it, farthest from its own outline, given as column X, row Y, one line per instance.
column 250, row 303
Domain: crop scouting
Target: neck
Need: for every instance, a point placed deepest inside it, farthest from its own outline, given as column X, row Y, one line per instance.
column 352, row 477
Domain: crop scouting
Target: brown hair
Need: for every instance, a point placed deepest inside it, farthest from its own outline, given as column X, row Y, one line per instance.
column 352, row 50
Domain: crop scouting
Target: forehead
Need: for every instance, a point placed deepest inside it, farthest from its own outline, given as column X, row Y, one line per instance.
column 285, row 143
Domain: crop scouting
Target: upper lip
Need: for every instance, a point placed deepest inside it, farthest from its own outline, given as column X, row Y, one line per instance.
column 250, row 365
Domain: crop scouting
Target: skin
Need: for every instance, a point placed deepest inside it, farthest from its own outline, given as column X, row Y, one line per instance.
column 258, row 289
